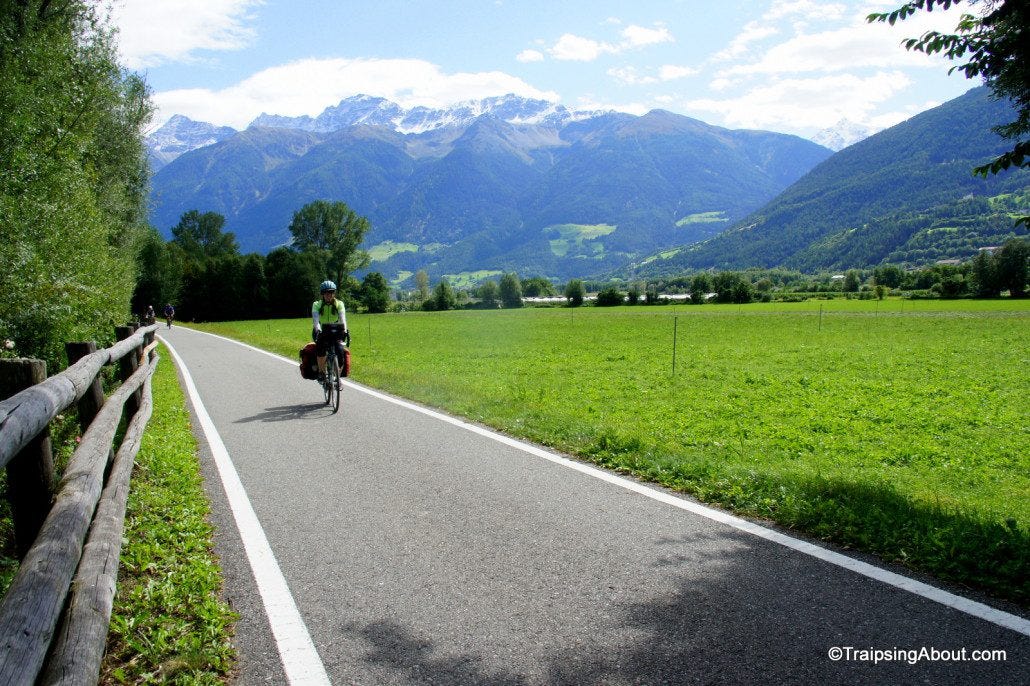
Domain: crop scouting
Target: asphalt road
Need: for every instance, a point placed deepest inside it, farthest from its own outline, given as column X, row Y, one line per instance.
column 419, row 552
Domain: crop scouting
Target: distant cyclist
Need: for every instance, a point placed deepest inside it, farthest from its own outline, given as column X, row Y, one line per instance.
column 169, row 314
column 326, row 310
column 149, row 317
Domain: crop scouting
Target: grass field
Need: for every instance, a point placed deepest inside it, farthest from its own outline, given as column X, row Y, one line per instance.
column 896, row 427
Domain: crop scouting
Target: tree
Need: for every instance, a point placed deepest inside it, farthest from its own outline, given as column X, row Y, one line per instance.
column 731, row 287
column 633, row 296
column 254, row 286
column 334, row 231
column 200, row 236
column 700, row 287
column 996, row 46
column 984, row 276
column 160, row 274
column 443, row 296
column 375, row 293
column 537, row 286
column 609, row 297
column 422, row 285
column 292, row 280
column 73, row 177
column 574, row 293
column 510, row 290
column 1013, row 266
column 852, row 281
column 889, row 275
column 488, row 293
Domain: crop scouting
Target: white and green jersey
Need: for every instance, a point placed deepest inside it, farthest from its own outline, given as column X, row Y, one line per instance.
column 328, row 313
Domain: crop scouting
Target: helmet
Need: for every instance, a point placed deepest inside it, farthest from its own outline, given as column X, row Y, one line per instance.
column 327, row 286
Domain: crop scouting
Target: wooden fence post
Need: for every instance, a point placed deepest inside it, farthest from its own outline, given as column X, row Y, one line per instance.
column 91, row 402
column 30, row 474
column 127, row 365
column 147, row 340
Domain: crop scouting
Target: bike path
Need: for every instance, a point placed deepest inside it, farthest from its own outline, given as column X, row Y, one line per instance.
column 417, row 551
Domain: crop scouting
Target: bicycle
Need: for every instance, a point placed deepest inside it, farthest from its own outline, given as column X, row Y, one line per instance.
column 332, row 384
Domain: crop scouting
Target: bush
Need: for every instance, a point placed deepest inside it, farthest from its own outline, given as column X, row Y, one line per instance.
column 609, row 297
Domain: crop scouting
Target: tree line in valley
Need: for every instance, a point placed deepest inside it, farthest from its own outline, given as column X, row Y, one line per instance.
column 201, row 271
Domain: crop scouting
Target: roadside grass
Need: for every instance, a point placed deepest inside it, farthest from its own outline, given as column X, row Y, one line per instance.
column 899, row 428
column 169, row 624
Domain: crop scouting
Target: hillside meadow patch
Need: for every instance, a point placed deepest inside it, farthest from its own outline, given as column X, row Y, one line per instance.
column 896, row 427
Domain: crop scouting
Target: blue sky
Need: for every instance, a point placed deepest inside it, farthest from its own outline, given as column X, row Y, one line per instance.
column 794, row 66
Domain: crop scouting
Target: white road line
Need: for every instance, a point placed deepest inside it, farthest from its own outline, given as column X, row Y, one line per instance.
column 938, row 595
column 300, row 659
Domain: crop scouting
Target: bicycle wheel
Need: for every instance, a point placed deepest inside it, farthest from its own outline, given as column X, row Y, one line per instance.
column 332, row 369
column 325, row 381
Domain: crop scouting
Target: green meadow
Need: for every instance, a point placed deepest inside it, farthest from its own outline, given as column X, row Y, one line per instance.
column 578, row 238
column 897, row 427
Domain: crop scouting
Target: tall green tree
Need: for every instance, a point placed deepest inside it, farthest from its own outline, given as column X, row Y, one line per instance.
column 995, row 47
column 488, row 294
column 984, row 276
column 537, row 286
column 422, row 285
column 72, row 177
column 443, row 297
column 201, row 236
column 574, row 293
column 292, row 280
column 334, row 231
column 852, row 281
column 375, row 293
column 1013, row 266
column 700, row 287
column 160, row 274
column 510, row 290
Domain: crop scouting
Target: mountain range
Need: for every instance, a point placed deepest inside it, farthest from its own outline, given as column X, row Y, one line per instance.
column 905, row 195
column 495, row 185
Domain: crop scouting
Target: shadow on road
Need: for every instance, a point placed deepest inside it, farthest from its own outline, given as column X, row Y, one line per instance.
column 288, row 412
column 735, row 615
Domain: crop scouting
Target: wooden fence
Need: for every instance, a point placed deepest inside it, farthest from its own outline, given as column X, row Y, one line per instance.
column 55, row 616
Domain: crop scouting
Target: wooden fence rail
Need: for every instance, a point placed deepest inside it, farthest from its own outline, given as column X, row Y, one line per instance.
column 53, row 630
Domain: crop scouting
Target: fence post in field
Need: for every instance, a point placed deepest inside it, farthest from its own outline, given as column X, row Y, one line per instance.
column 30, row 473
column 126, row 366
column 675, row 332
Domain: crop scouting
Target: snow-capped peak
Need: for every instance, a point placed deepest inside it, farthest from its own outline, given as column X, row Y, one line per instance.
column 842, row 134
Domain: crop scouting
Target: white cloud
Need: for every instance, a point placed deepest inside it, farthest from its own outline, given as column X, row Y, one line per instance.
column 578, row 49
column 629, row 76
column 820, row 11
column 571, row 47
column 530, row 56
column 671, row 72
column 309, row 86
column 639, row 37
column 800, row 104
column 753, row 32
column 854, row 45
column 153, row 32
column 889, row 119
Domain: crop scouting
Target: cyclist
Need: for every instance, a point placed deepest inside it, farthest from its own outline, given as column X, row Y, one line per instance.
column 327, row 309
column 149, row 317
column 169, row 314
